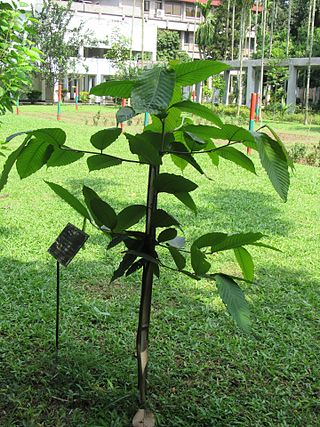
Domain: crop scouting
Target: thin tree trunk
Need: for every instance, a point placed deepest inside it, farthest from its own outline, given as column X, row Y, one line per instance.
column 232, row 30
column 142, row 32
column 256, row 27
column 242, row 37
column 264, row 23
column 227, row 31
column 289, row 27
column 313, row 13
column 132, row 27
column 272, row 26
column 146, row 290
column 250, row 29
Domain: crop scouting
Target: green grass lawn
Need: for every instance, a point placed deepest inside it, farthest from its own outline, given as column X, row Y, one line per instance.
column 204, row 372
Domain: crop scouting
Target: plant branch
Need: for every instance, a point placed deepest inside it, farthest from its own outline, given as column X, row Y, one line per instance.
column 211, row 150
column 103, row 154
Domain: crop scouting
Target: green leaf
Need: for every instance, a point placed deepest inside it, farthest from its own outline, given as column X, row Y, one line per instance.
column 198, row 261
column 54, row 136
column 222, row 241
column 102, row 161
column 234, row 299
column 62, row 157
column 105, row 137
column 104, row 213
column 170, row 183
column 226, row 132
column 70, row 199
column 178, row 259
column 129, row 216
column 117, row 88
column 124, row 114
column 162, row 219
column 33, row 156
column 153, row 91
column 146, row 147
column 10, row 162
column 281, row 146
column 274, row 162
column 199, row 110
column 167, row 234
column 135, row 266
column 189, row 73
column 187, row 200
column 245, row 262
column 127, row 261
column 237, row 157
column 143, row 255
column 179, row 161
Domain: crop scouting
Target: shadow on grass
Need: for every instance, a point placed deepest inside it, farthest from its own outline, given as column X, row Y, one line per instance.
column 193, row 348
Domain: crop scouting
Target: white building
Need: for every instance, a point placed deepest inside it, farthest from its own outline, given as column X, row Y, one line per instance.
column 104, row 17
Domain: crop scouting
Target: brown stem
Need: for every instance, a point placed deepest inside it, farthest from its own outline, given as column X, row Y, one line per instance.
column 146, row 290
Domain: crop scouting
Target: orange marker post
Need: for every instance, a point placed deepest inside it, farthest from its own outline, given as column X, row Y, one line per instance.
column 252, row 115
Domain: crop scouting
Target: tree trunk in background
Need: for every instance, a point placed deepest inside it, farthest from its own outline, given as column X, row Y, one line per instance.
column 264, row 25
column 240, row 56
column 289, row 27
column 274, row 3
column 227, row 30
column 312, row 7
column 256, row 27
column 232, row 29
column 132, row 27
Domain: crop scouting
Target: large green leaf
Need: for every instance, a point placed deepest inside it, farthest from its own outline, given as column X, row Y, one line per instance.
column 146, row 145
column 167, row 234
column 222, row 241
column 234, row 299
column 237, row 157
column 125, row 264
column 161, row 218
column 104, row 213
column 70, row 199
column 177, row 257
column 170, row 183
column 189, row 73
column 245, row 262
column 153, row 91
column 62, row 157
column 53, row 136
column 226, row 132
column 274, row 161
column 33, row 156
column 105, row 137
column 199, row 262
column 117, row 88
column 198, row 110
column 281, row 147
column 102, row 161
column 129, row 216
column 10, row 162
column 187, row 200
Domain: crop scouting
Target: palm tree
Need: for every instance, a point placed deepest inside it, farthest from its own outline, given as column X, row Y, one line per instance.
column 204, row 36
column 289, row 26
column 312, row 13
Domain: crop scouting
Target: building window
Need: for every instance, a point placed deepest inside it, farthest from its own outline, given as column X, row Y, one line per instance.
column 188, row 37
column 172, row 9
column 147, row 5
column 159, row 5
column 191, row 11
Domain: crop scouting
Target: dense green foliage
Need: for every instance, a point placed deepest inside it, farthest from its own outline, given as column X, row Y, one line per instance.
column 203, row 372
column 18, row 55
column 169, row 46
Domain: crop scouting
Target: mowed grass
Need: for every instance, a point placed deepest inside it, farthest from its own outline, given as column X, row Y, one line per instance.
column 203, row 371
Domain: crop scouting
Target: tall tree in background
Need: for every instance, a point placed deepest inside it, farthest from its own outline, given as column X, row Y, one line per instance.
column 205, row 33
column 58, row 41
column 289, row 26
column 312, row 12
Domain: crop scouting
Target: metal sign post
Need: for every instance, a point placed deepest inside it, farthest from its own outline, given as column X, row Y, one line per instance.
column 64, row 249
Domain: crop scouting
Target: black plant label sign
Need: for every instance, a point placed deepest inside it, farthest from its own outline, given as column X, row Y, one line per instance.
column 67, row 244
